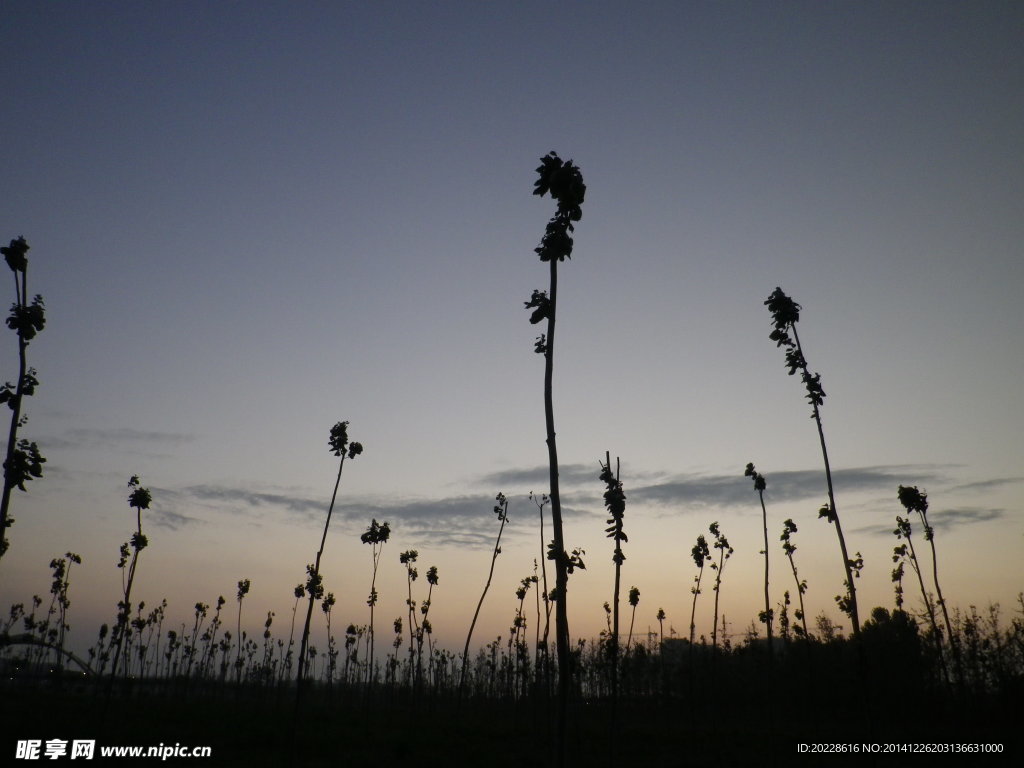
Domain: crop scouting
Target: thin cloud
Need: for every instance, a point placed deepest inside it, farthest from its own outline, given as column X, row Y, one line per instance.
column 537, row 478
column 96, row 438
column 946, row 519
column 798, row 485
column 243, row 500
column 165, row 518
column 467, row 521
column 941, row 520
column 987, row 485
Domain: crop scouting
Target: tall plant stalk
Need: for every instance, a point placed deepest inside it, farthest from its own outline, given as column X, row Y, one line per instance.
column 903, row 531
column 139, row 499
column 785, row 314
column 339, row 446
column 914, row 500
column 541, row 501
column 501, row 510
column 701, row 554
column 23, row 460
column 376, row 535
column 615, row 503
column 564, row 182
column 789, row 528
column 634, row 601
column 759, row 486
column 243, row 590
column 725, row 552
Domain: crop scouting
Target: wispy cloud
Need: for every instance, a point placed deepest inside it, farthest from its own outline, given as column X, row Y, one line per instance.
column 987, row 485
column 246, row 501
column 166, row 518
column 943, row 520
column 730, row 490
column 537, row 477
column 467, row 520
column 111, row 438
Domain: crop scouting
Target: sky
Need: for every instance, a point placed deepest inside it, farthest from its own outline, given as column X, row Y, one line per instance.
column 250, row 221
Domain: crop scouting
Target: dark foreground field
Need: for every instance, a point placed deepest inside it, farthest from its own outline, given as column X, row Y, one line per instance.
column 697, row 708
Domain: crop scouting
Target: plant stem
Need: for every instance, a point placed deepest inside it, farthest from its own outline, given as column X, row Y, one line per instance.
column 851, row 587
column 479, row 605
column 12, row 436
column 316, row 572
column 767, row 600
column 561, row 569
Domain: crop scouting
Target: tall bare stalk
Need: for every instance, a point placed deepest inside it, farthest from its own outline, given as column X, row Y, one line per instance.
column 725, row 552
column 634, row 601
column 139, row 499
column 785, row 314
column 377, row 536
column 759, row 486
column 564, row 182
column 701, row 554
column 914, row 500
column 615, row 503
column 339, row 446
column 501, row 510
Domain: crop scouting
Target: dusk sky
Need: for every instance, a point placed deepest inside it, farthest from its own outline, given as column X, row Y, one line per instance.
column 252, row 220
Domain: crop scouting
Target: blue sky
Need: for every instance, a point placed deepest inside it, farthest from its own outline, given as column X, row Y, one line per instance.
column 252, row 220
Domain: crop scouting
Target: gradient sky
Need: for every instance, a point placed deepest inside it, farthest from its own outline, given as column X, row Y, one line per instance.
column 252, row 220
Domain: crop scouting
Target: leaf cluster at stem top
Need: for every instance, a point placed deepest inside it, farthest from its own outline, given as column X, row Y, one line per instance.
column 701, row 552
column 563, row 180
column 377, row 533
column 15, row 255
column 913, row 500
column 338, row 441
column 759, row 481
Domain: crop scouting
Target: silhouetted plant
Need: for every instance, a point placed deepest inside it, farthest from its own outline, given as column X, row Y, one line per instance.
column 332, row 653
column 615, row 503
column 408, row 558
column 564, row 182
column 759, row 485
column 724, row 553
column 23, row 460
column 785, row 315
column 339, row 446
column 61, row 584
column 243, row 590
column 661, row 629
column 426, row 629
column 377, row 536
column 701, row 554
column 266, row 670
column 914, row 500
column 209, row 639
column 201, row 610
column 501, row 510
column 139, row 499
column 906, row 552
column 516, row 641
column 899, row 556
column 788, row 529
column 634, row 601
column 542, row 501
column 784, row 616
column 300, row 592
